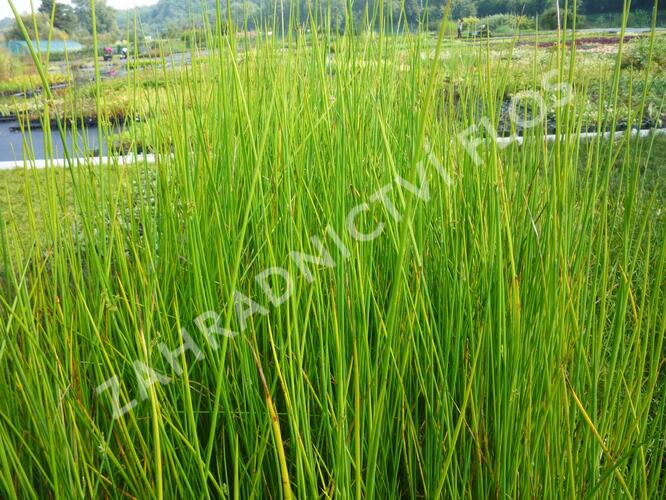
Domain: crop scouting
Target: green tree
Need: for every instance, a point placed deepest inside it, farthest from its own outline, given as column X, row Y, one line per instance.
column 43, row 23
column 105, row 16
column 548, row 20
column 462, row 8
column 65, row 18
column 413, row 11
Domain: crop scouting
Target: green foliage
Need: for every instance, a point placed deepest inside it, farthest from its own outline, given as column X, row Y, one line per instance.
column 462, row 8
column 68, row 20
column 507, row 23
column 37, row 26
column 501, row 336
column 527, row 7
column 20, row 80
column 617, row 6
column 638, row 54
column 635, row 19
column 175, row 15
column 65, row 18
column 104, row 15
column 548, row 20
column 9, row 66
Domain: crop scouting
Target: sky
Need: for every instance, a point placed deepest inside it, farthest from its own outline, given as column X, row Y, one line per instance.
column 24, row 5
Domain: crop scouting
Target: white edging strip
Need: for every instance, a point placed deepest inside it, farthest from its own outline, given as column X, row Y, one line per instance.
column 121, row 161
column 505, row 141
column 151, row 158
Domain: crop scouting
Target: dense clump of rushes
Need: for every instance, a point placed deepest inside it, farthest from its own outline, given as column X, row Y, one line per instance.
column 471, row 319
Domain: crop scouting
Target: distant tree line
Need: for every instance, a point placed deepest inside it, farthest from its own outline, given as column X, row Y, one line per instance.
column 171, row 16
column 68, row 20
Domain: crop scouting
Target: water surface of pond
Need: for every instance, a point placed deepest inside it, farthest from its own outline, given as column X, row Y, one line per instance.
column 15, row 146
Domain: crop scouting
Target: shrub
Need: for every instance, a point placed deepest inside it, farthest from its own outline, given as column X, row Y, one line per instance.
column 5, row 64
column 43, row 28
column 28, row 82
column 637, row 53
column 10, row 66
column 462, row 8
column 636, row 19
column 548, row 20
column 507, row 23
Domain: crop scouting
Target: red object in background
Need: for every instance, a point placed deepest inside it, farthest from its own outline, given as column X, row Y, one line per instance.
column 108, row 53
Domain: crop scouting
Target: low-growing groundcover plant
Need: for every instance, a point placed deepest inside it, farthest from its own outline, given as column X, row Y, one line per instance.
column 334, row 282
